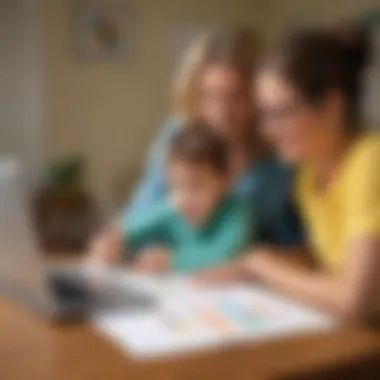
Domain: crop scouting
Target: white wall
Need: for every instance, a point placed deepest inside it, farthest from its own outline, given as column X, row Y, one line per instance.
column 21, row 68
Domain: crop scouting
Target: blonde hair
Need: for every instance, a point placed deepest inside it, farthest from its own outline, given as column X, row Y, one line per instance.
column 236, row 48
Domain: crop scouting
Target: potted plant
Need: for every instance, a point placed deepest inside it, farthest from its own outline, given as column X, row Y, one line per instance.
column 65, row 211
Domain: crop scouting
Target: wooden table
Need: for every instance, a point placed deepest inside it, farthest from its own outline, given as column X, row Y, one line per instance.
column 34, row 349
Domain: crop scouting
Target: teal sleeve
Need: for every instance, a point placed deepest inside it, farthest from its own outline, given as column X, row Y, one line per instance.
column 237, row 233
column 251, row 220
column 247, row 219
column 243, row 225
column 150, row 228
column 243, row 222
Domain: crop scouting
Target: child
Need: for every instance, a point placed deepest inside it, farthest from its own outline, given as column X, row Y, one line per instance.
column 200, row 225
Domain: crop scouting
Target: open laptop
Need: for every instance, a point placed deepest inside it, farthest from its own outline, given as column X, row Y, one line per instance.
column 66, row 293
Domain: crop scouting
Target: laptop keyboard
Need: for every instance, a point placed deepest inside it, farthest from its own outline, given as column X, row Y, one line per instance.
column 68, row 288
column 74, row 288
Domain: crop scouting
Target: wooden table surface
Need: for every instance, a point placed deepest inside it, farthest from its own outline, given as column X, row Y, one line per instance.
column 31, row 348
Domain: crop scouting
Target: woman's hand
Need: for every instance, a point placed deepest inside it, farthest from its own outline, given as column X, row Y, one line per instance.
column 154, row 260
column 239, row 270
column 106, row 247
column 263, row 256
column 349, row 294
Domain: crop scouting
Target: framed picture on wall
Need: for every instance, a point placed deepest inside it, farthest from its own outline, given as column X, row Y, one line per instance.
column 102, row 30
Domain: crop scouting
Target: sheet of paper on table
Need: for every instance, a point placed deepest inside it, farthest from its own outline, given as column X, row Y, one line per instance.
column 191, row 318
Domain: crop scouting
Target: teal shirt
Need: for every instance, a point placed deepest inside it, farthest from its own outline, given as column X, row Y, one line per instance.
column 226, row 234
column 266, row 184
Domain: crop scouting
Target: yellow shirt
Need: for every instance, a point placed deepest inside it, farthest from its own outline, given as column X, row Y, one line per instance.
column 349, row 208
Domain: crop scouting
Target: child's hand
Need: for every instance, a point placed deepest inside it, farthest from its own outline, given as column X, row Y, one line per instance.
column 105, row 248
column 154, row 260
column 230, row 272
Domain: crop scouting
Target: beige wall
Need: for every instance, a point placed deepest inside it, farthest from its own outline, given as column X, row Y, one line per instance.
column 283, row 14
column 21, row 95
column 109, row 111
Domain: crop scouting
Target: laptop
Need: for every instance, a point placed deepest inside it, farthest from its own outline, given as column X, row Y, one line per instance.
column 64, row 293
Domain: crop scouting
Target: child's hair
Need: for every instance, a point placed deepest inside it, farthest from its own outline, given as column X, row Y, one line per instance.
column 197, row 144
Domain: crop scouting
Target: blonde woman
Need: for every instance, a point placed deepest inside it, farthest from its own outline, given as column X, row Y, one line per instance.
column 213, row 86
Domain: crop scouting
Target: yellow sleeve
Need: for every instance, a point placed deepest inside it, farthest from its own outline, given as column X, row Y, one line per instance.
column 362, row 188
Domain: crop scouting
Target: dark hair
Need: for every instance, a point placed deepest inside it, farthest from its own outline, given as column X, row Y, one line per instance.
column 317, row 62
column 196, row 143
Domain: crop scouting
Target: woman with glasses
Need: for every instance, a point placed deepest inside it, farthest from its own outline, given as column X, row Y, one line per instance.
column 309, row 99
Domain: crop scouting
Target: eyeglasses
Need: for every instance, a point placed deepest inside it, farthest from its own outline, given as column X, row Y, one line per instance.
column 279, row 113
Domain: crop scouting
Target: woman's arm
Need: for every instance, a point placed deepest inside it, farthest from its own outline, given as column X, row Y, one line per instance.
column 237, row 270
column 152, row 187
column 350, row 294
column 351, row 291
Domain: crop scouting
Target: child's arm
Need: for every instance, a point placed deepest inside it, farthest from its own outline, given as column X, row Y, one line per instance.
column 234, row 271
column 135, row 234
column 154, row 259
column 106, row 247
column 239, row 233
